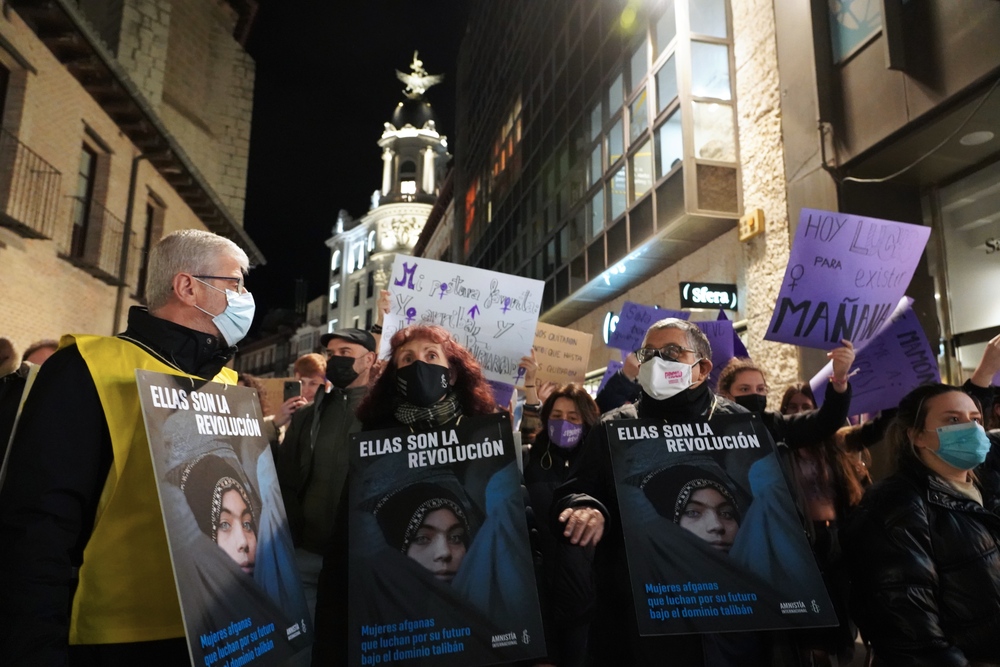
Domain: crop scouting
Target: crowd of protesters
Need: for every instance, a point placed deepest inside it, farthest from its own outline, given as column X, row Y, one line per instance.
column 911, row 560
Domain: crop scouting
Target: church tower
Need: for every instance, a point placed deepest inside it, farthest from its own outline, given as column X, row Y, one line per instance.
column 414, row 158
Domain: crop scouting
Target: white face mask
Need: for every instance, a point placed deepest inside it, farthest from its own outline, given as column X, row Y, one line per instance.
column 233, row 322
column 662, row 379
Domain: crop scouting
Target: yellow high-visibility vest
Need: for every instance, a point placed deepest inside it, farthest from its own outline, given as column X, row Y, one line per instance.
column 126, row 591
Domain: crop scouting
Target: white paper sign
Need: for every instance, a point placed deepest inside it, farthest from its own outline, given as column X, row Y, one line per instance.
column 492, row 314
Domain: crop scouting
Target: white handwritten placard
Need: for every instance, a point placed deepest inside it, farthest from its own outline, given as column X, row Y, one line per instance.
column 494, row 315
column 562, row 354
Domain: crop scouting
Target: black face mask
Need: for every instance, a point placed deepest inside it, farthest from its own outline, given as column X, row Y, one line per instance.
column 752, row 402
column 421, row 383
column 340, row 371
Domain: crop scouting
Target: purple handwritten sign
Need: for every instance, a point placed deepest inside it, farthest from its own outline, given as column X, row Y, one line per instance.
column 720, row 337
column 613, row 367
column 894, row 362
column 845, row 275
column 633, row 322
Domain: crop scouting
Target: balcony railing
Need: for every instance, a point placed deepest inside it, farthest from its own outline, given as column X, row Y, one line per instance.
column 93, row 240
column 29, row 189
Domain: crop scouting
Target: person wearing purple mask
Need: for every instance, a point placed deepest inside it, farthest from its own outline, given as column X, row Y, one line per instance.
column 562, row 423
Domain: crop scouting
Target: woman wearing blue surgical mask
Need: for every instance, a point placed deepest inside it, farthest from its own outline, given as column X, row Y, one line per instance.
column 566, row 417
column 924, row 546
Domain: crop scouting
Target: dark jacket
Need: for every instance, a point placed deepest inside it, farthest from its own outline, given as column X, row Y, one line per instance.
column 810, row 427
column 317, row 440
column 925, row 562
column 618, row 391
column 58, row 464
column 615, row 637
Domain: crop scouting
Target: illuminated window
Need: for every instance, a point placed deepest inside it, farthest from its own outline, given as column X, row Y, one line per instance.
column 408, row 187
column 334, row 295
column 371, row 241
column 335, row 262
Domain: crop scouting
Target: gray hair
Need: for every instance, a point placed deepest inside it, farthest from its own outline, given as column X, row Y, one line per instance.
column 187, row 251
column 696, row 339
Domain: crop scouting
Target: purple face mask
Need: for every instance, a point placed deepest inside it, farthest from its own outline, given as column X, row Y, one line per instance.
column 565, row 434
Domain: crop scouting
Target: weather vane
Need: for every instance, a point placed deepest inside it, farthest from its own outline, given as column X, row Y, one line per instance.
column 418, row 80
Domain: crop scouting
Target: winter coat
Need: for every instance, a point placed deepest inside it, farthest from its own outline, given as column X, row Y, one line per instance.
column 925, row 563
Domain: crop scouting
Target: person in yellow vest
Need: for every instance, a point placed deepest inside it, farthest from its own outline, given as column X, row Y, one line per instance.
column 84, row 565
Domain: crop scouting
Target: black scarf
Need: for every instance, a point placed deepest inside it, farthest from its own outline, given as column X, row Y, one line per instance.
column 687, row 406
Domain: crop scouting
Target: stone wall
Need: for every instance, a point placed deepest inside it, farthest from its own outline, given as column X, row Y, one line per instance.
column 758, row 95
column 41, row 294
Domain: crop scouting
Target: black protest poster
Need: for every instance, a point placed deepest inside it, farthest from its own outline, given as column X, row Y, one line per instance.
column 440, row 564
column 713, row 539
column 232, row 554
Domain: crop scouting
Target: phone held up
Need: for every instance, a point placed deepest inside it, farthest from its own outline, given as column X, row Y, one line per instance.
column 292, row 388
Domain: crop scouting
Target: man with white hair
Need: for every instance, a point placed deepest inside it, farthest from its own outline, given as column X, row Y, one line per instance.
column 86, row 571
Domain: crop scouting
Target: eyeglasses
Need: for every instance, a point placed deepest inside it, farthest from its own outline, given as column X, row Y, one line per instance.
column 669, row 352
column 238, row 282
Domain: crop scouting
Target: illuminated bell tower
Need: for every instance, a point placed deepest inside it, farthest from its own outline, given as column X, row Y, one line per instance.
column 414, row 154
column 414, row 157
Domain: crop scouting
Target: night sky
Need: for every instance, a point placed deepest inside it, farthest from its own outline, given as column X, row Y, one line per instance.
column 325, row 84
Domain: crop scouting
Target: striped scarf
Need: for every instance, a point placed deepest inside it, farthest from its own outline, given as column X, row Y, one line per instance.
column 441, row 412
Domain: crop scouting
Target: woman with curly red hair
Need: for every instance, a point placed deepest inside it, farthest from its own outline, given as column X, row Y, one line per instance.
column 428, row 380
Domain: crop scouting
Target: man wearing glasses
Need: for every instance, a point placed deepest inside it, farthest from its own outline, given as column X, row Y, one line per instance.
column 87, row 573
column 313, row 458
column 674, row 365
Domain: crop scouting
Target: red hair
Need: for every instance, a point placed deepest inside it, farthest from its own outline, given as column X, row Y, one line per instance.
column 474, row 392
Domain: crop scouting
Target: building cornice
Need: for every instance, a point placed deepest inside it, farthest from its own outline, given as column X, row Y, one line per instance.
column 68, row 35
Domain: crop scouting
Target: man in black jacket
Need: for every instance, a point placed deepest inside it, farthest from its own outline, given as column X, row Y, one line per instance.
column 675, row 362
column 63, row 497
column 312, row 460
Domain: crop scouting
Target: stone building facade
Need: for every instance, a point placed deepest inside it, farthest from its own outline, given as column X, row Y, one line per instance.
column 122, row 121
column 610, row 149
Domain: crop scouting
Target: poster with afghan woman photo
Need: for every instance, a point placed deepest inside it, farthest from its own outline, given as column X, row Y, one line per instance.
column 239, row 591
column 713, row 538
column 441, row 571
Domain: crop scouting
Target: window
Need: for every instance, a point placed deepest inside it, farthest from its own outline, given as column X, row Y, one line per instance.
column 619, row 194
column 639, row 65
column 666, row 28
column 670, row 144
column 638, row 117
column 83, row 200
column 642, row 170
column 666, row 84
column 334, row 295
column 370, row 290
column 357, row 293
column 616, row 142
column 714, row 133
column 335, row 263
column 368, row 319
column 708, row 17
column 371, row 241
column 151, row 234
column 710, row 70
column 597, row 214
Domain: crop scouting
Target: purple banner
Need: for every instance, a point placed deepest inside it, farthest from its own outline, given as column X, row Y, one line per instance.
column 502, row 393
column 633, row 322
column 893, row 363
column 844, row 277
column 720, row 337
column 613, row 367
column 739, row 349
